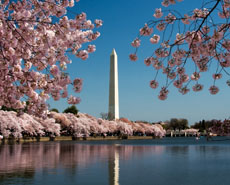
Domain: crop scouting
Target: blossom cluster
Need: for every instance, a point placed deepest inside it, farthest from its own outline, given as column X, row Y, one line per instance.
column 183, row 41
column 35, row 37
column 82, row 125
column 12, row 125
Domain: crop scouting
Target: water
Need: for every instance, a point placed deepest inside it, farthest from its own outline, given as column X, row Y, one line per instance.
column 169, row 161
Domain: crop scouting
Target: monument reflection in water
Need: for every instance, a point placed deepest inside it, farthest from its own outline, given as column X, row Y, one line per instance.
column 30, row 163
column 75, row 163
column 114, row 167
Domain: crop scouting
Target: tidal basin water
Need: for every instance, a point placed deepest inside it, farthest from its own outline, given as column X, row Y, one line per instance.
column 168, row 161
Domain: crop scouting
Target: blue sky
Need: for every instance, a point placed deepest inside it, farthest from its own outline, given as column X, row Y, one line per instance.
column 122, row 21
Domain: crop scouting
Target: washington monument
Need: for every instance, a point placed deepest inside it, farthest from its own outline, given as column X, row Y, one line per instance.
column 113, row 113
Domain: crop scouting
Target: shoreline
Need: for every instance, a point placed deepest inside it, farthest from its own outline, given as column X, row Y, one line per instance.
column 70, row 138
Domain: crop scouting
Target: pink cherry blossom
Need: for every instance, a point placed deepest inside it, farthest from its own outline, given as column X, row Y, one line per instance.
column 172, row 75
column 98, row 23
column 35, row 45
column 163, row 93
column 148, row 61
column 180, row 70
column 185, row 20
column 161, row 26
column 172, row 1
column 165, row 3
column 217, row 76
column 195, row 76
column 184, row 90
column 73, row 100
column 172, row 62
column 225, row 14
column 170, row 18
column 153, row 84
column 225, row 63
column 136, row 43
column 83, row 54
column 226, row 44
column 157, row 64
column 184, row 78
column 166, row 70
column 133, row 57
column 206, row 29
column 178, row 84
column 54, row 70
column 179, row 38
column 155, row 39
column 146, row 30
column 158, row 13
column 217, row 35
column 77, row 83
column 197, row 87
column 214, row 89
column 91, row 48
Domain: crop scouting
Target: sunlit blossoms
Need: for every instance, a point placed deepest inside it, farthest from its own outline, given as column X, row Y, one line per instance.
column 73, row 100
column 155, row 39
column 35, row 37
column 13, row 125
column 136, row 43
column 146, row 30
column 195, row 76
column 187, row 44
column 158, row 13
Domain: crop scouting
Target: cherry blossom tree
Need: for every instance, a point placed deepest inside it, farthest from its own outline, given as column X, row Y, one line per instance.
column 13, row 125
column 10, row 125
column 35, row 39
column 197, row 41
column 125, row 128
column 51, row 128
column 30, row 126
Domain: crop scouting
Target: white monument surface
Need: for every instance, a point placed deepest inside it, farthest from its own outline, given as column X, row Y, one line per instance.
column 113, row 113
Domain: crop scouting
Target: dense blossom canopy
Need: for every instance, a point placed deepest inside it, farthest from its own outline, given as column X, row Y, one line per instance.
column 198, row 40
column 83, row 125
column 35, row 37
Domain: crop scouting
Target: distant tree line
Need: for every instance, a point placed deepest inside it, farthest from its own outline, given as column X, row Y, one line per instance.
column 176, row 124
column 72, row 109
column 203, row 125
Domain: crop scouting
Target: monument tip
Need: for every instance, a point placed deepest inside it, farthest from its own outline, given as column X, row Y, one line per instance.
column 113, row 52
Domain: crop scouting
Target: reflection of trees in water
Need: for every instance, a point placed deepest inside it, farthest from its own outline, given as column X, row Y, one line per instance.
column 177, row 149
column 23, row 160
column 25, row 173
column 213, row 150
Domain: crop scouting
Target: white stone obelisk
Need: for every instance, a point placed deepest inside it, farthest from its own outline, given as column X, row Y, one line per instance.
column 113, row 113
